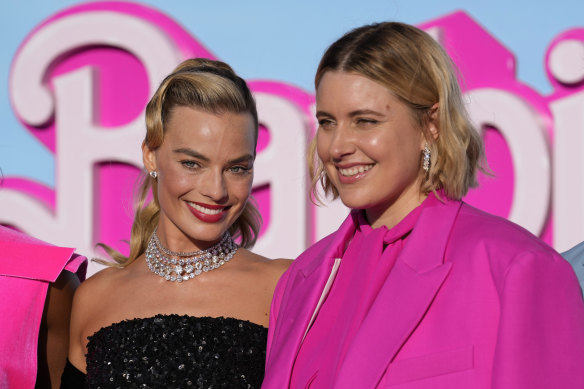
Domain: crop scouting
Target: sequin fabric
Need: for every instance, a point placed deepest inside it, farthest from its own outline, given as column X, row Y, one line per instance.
column 173, row 351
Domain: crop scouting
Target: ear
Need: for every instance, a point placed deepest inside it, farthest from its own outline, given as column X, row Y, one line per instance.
column 433, row 124
column 148, row 157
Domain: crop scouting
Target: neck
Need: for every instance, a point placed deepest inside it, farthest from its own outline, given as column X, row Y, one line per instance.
column 173, row 239
column 396, row 212
column 156, row 240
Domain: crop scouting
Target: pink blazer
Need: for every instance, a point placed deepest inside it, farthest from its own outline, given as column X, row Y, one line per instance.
column 473, row 301
column 27, row 266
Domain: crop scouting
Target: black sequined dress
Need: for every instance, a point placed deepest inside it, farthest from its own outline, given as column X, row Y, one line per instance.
column 172, row 351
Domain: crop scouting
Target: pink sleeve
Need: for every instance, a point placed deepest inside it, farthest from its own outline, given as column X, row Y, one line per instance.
column 78, row 265
column 540, row 342
column 274, row 308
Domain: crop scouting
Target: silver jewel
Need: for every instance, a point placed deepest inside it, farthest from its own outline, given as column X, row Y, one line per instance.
column 153, row 174
column 426, row 158
column 183, row 266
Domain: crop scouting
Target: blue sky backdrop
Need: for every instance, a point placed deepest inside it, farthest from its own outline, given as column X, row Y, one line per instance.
column 283, row 41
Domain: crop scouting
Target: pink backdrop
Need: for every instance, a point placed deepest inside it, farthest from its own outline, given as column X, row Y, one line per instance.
column 80, row 82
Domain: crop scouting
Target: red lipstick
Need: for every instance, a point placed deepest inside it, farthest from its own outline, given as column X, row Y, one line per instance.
column 205, row 217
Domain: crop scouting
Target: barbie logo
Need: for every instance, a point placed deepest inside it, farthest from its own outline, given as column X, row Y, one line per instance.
column 82, row 93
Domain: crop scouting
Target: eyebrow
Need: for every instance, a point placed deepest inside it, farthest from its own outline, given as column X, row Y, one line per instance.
column 191, row 153
column 243, row 158
column 365, row 112
column 195, row 154
column 353, row 113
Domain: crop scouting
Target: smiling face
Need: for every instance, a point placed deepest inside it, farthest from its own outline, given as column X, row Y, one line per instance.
column 205, row 174
column 370, row 146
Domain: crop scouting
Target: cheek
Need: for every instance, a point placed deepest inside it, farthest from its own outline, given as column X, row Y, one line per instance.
column 322, row 146
column 381, row 146
column 240, row 188
column 375, row 143
column 174, row 182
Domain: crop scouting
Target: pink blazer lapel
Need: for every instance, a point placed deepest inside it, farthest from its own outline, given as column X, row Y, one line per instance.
column 24, row 256
column 418, row 274
column 27, row 257
column 37, row 262
column 306, row 286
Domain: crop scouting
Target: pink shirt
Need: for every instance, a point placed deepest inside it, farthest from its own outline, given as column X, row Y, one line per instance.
column 364, row 268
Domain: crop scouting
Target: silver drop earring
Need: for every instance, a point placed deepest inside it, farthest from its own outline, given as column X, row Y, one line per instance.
column 426, row 161
column 153, row 174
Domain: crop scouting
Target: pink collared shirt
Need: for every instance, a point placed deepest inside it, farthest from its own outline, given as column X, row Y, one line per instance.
column 363, row 269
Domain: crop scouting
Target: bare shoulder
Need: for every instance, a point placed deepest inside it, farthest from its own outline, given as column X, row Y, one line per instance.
column 257, row 277
column 60, row 297
column 271, row 268
column 279, row 265
column 93, row 286
column 88, row 302
column 54, row 330
column 94, row 296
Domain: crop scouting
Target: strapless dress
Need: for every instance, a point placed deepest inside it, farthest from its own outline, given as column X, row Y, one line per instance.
column 174, row 351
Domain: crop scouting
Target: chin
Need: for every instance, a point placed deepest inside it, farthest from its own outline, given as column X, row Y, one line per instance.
column 208, row 233
column 353, row 199
column 353, row 203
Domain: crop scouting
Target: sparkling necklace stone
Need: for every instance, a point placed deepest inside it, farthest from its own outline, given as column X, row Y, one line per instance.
column 183, row 266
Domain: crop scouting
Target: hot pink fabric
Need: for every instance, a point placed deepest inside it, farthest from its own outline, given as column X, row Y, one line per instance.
column 364, row 268
column 472, row 301
column 27, row 266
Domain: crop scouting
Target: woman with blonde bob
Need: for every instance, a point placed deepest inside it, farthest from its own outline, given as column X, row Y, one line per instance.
column 188, row 307
column 416, row 289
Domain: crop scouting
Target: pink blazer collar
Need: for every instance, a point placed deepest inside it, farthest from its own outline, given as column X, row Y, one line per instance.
column 300, row 298
column 334, row 248
column 416, row 278
column 26, row 257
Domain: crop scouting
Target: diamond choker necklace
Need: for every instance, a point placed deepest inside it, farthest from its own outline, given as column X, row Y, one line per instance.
column 180, row 266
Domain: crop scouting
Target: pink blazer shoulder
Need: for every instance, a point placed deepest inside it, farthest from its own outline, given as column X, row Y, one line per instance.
column 473, row 301
column 27, row 266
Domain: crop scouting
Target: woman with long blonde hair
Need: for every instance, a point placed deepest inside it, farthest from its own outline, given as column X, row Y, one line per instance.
column 188, row 307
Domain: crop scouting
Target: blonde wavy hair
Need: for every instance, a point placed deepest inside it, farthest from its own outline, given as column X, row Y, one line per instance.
column 415, row 68
column 204, row 84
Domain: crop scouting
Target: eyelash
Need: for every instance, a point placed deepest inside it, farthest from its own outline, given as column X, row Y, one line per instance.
column 242, row 170
column 190, row 164
column 238, row 170
column 324, row 122
column 366, row 121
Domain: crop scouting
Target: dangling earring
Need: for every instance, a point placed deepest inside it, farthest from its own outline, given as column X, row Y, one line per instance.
column 426, row 161
column 154, row 174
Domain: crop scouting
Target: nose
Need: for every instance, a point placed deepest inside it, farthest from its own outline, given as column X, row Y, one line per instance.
column 214, row 186
column 341, row 142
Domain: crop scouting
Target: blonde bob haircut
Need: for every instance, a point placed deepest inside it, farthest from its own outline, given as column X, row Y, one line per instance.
column 415, row 68
column 203, row 84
